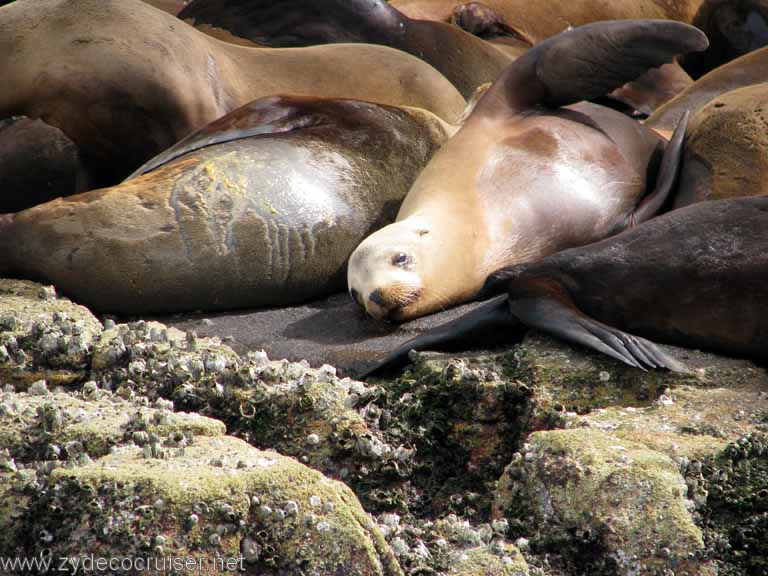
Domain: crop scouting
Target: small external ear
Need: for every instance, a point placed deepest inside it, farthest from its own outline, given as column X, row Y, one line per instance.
column 589, row 61
column 271, row 115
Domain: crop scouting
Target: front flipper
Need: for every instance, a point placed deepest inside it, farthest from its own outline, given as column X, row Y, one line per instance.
column 667, row 178
column 489, row 323
column 262, row 117
column 558, row 315
column 589, row 61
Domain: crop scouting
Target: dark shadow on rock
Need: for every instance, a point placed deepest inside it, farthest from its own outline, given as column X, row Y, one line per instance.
column 333, row 331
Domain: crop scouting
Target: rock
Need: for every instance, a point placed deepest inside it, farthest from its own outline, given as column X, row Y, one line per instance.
column 481, row 561
column 45, row 338
column 133, row 505
column 584, row 489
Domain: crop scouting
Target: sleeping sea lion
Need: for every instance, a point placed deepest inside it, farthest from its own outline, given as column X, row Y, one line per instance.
column 467, row 61
column 262, row 207
column 37, row 163
column 125, row 81
column 543, row 19
column 745, row 71
column 526, row 176
column 694, row 277
column 726, row 150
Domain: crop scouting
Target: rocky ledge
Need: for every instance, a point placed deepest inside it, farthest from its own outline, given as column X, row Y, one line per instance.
column 146, row 444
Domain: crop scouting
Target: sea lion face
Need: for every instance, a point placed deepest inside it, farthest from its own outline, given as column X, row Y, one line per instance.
column 386, row 272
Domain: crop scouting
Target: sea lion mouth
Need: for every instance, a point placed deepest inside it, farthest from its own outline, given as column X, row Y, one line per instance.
column 389, row 305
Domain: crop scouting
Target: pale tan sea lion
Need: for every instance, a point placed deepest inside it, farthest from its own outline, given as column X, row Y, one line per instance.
column 707, row 291
column 125, row 81
column 525, row 177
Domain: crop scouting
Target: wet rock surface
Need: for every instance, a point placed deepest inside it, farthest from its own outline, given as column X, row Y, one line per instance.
column 535, row 459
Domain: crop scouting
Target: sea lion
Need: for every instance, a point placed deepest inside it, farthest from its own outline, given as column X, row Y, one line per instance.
column 726, row 150
column 734, row 28
column 526, row 176
column 694, row 277
column 745, row 71
column 37, row 163
column 262, row 207
column 543, row 19
column 484, row 22
column 467, row 61
column 125, row 81
column 653, row 89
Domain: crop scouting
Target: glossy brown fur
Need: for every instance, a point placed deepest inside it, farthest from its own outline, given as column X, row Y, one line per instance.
column 464, row 59
column 695, row 277
column 37, row 163
column 654, row 88
column 262, row 220
column 124, row 80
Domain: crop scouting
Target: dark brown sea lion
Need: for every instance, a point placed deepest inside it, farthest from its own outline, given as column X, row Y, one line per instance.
column 525, row 176
column 263, row 207
column 695, row 277
column 654, row 88
column 734, row 28
column 464, row 59
column 726, row 150
column 125, row 81
column 745, row 71
column 37, row 163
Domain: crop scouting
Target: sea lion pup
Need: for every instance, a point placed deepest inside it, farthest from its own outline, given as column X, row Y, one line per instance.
column 726, row 150
column 37, row 163
column 694, row 277
column 467, row 61
column 262, row 207
column 745, row 71
column 124, row 81
column 525, row 177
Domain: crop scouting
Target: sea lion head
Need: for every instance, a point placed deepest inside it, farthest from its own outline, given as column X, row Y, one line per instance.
column 389, row 272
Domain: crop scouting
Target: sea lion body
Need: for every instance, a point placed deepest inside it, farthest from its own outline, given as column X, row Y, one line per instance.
column 726, row 151
column 125, row 81
column 239, row 220
column 525, row 175
column 744, row 71
column 466, row 60
column 694, row 277
column 37, row 163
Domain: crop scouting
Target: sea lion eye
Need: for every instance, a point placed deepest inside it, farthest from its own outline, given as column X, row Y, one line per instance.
column 401, row 259
column 422, row 232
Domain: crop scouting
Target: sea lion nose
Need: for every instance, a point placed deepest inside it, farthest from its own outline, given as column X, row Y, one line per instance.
column 377, row 297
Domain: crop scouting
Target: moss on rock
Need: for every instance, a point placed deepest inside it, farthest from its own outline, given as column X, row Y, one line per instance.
column 612, row 506
column 217, row 497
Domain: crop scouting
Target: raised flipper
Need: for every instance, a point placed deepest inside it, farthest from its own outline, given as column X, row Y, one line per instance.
column 665, row 182
column 491, row 321
column 554, row 312
column 589, row 61
column 266, row 116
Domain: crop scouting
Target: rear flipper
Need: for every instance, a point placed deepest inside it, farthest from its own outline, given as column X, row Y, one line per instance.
column 489, row 323
column 669, row 170
column 560, row 317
